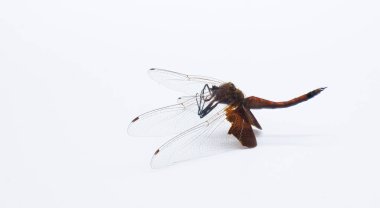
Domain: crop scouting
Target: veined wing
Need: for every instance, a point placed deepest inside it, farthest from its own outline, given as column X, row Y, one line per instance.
column 188, row 84
column 169, row 120
column 207, row 138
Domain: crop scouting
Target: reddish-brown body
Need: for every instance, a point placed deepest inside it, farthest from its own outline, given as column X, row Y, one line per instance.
column 239, row 115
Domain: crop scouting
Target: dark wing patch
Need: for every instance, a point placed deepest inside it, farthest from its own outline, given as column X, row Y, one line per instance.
column 240, row 126
column 135, row 119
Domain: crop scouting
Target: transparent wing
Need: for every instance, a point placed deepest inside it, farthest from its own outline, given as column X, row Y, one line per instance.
column 169, row 120
column 207, row 138
column 188, row 84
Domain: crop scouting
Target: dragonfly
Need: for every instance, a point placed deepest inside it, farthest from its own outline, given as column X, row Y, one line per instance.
column 213, row 116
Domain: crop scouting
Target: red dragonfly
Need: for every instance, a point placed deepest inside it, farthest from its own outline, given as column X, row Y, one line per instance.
column 217, row 112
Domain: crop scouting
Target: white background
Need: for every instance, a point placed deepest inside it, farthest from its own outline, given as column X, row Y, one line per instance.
column 73, row 75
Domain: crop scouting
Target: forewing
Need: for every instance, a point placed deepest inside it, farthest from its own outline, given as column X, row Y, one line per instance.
column 207, row 138
column 188, row 84
column 169, row 120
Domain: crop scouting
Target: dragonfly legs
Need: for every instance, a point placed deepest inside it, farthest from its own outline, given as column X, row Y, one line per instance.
column 202, row 99
column 207, row 110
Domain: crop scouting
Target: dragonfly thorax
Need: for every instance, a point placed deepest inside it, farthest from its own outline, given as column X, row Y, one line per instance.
column 227, row 93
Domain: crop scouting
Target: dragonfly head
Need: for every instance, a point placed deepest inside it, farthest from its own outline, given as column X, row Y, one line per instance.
column 227, row 93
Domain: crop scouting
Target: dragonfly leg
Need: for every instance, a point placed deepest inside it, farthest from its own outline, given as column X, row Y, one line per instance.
column 200, row 102
column 208, row 109
column 209, row 91
column 202, row 99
